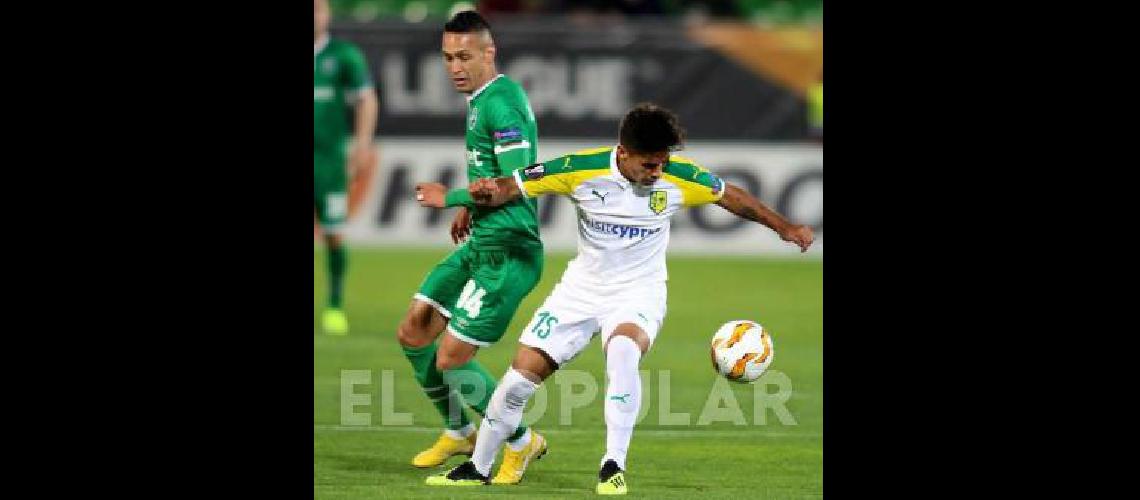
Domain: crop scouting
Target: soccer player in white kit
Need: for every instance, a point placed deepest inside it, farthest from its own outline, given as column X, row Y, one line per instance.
column 625, row 196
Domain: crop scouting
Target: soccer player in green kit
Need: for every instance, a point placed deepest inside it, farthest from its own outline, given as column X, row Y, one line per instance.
column 340, row 76
column 474, row 292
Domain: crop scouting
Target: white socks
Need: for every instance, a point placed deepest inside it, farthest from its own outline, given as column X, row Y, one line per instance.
column 460, row 433
column 521, row 442
column 623, row 396
column 502, row 418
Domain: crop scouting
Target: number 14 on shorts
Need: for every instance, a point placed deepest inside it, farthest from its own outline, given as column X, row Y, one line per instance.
column 471, row 299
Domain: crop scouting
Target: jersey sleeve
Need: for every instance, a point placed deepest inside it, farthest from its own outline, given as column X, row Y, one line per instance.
column 355, row 76
column 551, row 177
column 698, row 185
column 507, row 125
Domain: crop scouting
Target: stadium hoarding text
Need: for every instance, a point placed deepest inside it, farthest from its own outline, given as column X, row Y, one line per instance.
column 581, row 79
column 788, row 178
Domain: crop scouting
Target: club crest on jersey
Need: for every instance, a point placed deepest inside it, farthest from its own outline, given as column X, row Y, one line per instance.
column 535, row 172
column 657, row 201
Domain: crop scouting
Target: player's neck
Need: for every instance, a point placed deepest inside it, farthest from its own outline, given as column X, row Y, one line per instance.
column 618, row 166
column 483, row 86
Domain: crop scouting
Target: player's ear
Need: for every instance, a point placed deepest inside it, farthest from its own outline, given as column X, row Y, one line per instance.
column 489, row 52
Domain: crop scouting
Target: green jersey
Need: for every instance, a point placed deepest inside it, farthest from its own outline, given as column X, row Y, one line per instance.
column 339, row 75
column 501, row 137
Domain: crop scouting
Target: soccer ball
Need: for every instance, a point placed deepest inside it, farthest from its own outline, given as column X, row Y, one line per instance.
column 741, row 350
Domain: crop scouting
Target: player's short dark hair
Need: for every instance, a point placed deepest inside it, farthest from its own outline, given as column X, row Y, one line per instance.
column 649, row 128
column 467, row 21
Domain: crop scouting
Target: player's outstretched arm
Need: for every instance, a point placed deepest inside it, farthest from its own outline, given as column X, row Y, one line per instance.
column 487, row 192
column 494, row 192
column 744, row 205
column 431, row 194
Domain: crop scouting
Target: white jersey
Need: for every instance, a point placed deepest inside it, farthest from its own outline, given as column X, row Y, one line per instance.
column 623, row 228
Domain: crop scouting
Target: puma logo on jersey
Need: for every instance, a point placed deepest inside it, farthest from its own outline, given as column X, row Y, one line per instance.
column 620, row 398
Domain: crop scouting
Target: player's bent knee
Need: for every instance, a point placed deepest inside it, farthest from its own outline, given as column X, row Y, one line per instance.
column 632, row 332
column 534, row 364
column 413, row 334
column 449, row 360
column 420, row 325
column 453, row 353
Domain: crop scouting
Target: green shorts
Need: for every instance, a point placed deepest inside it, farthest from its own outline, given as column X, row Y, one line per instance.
column 480, row 290
column 330, row 190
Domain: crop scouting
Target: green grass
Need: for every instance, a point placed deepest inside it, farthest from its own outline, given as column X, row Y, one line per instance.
column 719, row 460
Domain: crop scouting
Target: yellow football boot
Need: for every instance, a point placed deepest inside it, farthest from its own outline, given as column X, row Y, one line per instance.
column 611, row 480
column 444, row 448
column 515, row 462
column 334, row 322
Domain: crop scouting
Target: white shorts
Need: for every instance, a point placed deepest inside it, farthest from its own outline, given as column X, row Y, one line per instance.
column 575, row 312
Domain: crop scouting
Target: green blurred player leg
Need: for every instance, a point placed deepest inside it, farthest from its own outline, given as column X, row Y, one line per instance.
column 332, row 210
column 334, row 322
column 341, row 83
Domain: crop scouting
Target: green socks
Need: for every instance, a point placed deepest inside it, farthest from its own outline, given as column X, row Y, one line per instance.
column 446, row 402
column 469, row 383
column 338, row 262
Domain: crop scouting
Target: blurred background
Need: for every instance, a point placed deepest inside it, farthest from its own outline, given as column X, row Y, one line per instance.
column 745, row 77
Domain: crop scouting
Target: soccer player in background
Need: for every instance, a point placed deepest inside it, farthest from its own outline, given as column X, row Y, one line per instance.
column 340, row 79
column 474, row 292
column 625, row 197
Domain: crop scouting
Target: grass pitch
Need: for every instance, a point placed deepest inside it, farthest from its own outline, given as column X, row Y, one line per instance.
column 737, row 441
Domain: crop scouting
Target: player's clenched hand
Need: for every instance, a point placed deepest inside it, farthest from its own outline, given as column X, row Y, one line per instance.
column 461, row 226
column 799, row 234
column 431, row 194
column 483, row 191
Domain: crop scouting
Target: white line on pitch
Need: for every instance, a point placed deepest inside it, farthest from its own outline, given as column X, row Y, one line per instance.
column 555, row 431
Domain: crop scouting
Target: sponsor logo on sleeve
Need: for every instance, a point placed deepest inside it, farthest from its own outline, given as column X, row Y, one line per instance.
column 534, row 172
column 512, row 134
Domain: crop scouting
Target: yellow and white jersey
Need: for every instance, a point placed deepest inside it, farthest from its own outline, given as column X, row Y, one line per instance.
column 623, row 228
